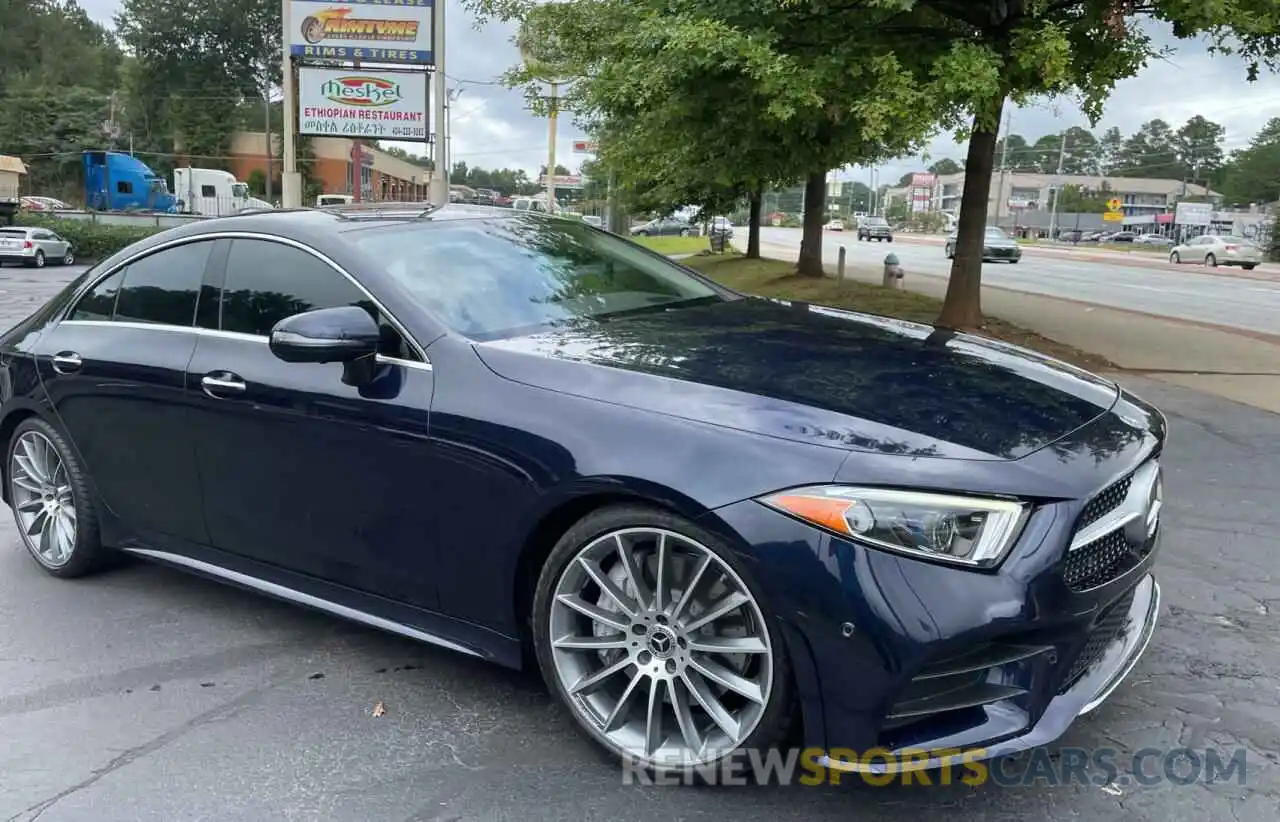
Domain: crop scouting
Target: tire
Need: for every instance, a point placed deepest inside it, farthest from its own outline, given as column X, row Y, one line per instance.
column 1210, row 261
column 86, row 552
column 38, row 261
column 640, row 637
column 1015, row 261
column 1175, row 259
column 642, row 234
column 69, row 258
column 951, row 253
column 1249, row 266
column 890, row 239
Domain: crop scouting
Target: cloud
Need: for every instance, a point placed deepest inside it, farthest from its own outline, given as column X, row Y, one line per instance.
column 493, row 128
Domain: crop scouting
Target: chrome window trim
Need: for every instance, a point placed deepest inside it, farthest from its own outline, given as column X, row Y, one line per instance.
column 242, row 235
column 226, row 335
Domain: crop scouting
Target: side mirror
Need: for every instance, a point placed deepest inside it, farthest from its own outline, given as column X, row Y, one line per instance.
column 343, row 334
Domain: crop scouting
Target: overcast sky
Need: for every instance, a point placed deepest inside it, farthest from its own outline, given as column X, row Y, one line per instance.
column 492, row 128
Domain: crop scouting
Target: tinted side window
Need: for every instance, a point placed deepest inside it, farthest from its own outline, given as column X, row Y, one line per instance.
column 267, row 282
column 162, row 287
column 124, row 187
column 100, row 302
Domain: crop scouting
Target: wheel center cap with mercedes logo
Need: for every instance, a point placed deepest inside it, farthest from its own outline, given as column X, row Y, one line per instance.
column 661, row 643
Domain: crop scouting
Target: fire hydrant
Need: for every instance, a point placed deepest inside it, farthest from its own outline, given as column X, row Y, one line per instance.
column 892, row 272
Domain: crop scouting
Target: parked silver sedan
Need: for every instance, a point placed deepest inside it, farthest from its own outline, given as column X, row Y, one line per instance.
column 34, row 247
column 1214, row 250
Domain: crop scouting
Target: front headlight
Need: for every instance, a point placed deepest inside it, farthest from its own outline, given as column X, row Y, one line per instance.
column 970, row 531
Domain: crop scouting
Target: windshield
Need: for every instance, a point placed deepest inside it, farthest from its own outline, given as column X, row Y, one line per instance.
column 490, row 279
column 994, row 233
column 874, row 221
column 240, row 190
column 157, row 184
column 1235, row 240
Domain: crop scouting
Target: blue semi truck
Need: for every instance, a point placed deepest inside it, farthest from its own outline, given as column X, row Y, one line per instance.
column 115, row 181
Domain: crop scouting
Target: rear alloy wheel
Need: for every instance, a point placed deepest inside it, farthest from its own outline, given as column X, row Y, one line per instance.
column 1210, row 261
column 657, row 646
column 1174, row 258
column 51, row 501
column 38, row 262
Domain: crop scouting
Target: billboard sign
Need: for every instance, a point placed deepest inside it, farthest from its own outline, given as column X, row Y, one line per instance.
column 377, row 31
column 923, row 180
column 1193, row 214
column 379, row 104
column 563, row 181
column 585, row 147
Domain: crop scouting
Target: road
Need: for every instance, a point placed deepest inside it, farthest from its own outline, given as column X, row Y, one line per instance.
column 1179, row 292
column 145, row 695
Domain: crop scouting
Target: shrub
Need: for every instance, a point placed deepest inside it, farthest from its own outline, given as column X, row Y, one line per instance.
column 89, row 240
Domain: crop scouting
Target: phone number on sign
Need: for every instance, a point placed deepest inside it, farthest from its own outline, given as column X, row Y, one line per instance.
column 363, row 129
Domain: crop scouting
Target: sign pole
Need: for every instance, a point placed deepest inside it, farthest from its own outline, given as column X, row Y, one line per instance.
column 290, row 180
column 440, row 172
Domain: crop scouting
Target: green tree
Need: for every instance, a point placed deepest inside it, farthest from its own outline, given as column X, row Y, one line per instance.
column 1198, row 146
column 1109, row 148
column 1253, row 175
column 1002, row 50
column 946, row 166
column 784, row 87
column 1074, row 199
column 195, row 65
column 1150, row 152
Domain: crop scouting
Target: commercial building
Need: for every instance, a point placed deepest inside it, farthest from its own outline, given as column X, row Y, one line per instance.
column 382, row 176
column 1025, row 199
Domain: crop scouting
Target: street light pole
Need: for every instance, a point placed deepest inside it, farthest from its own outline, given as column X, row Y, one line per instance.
column 1057, row 189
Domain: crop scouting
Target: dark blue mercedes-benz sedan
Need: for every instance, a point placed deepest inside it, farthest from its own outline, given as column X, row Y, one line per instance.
column 716, row 523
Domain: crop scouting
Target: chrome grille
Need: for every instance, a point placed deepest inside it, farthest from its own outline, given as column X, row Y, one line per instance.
column 1115, row 530
column 1099, row 562
column 1105, row 502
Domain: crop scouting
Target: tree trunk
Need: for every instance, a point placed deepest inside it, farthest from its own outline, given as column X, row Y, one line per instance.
column 815, row 209
column 962, row 308
column 753, row 224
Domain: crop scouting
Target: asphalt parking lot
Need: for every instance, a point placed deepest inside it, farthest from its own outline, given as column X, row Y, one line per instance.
column 145, row 694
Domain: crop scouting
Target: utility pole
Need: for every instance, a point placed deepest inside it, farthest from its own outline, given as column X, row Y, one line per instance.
column 1004, row 165
column 266, row 132
column 551, row 148
column 1057, row 189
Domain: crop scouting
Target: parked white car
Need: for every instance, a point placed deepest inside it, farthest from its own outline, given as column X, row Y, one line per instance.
column 834, row 225
column 1152, row 239
column 1214, row 250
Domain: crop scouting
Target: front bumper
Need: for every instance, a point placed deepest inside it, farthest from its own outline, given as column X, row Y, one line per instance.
column 906, row 657
column 990, row 253
column 1104, row 674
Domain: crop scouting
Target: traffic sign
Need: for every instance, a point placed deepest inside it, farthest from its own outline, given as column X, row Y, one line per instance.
column 1113, row 216
column 1114, row 204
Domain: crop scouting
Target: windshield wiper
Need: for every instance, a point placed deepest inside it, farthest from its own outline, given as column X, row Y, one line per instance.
column 655, row 308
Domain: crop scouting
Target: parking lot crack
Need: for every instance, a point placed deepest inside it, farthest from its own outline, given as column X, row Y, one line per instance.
column 226, row 710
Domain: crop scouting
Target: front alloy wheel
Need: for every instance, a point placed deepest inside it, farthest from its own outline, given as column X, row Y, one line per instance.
column 656, row 644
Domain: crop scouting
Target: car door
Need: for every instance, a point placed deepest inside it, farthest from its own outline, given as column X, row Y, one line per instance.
column 115, row 374
column 300, row 470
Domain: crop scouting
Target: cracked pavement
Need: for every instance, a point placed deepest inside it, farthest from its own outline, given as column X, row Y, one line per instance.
column 146, row 694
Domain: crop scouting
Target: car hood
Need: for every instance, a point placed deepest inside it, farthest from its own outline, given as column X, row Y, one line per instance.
column 817, row 375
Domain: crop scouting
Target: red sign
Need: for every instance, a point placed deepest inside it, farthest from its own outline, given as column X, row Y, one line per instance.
column 1164, row 219
column 585, row 147
column 923, row 180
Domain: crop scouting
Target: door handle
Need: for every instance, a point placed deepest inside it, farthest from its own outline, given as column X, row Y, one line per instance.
column 67, row 362
column 222, row 383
